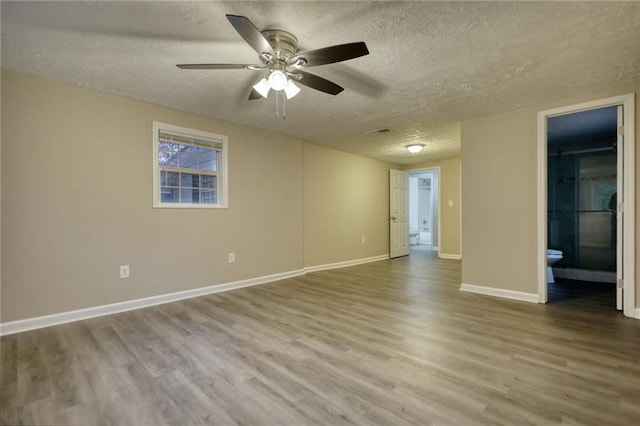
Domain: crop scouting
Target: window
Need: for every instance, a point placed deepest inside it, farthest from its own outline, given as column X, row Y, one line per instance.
column 189, row 168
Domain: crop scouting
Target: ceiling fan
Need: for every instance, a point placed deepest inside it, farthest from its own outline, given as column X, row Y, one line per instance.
column 281, row 63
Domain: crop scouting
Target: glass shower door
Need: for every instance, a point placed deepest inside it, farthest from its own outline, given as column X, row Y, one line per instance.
column 597, row 217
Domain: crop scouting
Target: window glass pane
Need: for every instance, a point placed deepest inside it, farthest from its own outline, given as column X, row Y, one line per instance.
column 167, row 154
column 208, row 196
column 208, row 159
column 189, row 195
column 188, row 160
column 173, row 179
column 169, row 195
column 208, row 181
column 189, row 181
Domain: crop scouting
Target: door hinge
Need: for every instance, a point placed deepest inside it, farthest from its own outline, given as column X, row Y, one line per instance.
column 621, row 207
column 620, row 130
column 620, row 283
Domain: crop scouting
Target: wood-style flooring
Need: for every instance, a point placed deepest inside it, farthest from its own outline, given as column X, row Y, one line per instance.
column 387, row 343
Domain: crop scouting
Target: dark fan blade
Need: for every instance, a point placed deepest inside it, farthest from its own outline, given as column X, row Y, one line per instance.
column 318, row 83
column 332, row 54
column 251, row 34
column 254, row 95
column 212, row 66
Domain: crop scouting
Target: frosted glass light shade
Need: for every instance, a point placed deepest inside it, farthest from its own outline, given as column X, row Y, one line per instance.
column 262, row 87
column 291, row 89
column 415, row 148
column 278, row 80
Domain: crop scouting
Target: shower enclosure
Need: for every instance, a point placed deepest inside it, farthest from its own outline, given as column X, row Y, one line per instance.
column 581, row 203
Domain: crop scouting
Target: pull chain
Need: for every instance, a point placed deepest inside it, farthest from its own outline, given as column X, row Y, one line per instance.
column 284, row 106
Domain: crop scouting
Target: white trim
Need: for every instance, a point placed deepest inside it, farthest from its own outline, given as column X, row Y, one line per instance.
column 628, row 101
column 460, row 208
column 20, row 326
column 541, row 261
column 637, row 313
column 345, row 263
column 450, row 256
column 499, row 292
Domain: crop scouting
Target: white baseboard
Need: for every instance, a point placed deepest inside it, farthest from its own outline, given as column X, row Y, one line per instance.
column 450, row 256
column 345, row 263
column 637, row 313
column 20, row 326
column 499, row 292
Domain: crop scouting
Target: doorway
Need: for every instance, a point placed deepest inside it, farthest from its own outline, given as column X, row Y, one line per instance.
column 586, row 196
column 424, row 219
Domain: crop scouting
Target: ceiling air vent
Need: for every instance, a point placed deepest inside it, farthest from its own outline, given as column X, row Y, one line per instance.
column 378, row 131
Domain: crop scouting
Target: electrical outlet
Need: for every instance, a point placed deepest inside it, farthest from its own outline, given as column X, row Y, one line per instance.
column 364, row 240
column 232, row 257
column 124, row 271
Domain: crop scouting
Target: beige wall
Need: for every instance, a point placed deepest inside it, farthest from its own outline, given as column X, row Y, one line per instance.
column 76, row 197
column 0, row 197
column 346, row 197
column 449, row 191
column 499, row 195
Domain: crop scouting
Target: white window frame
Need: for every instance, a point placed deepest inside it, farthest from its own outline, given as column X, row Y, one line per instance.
column 222, row 189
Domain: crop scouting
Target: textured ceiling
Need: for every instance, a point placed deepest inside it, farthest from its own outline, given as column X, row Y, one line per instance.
column 431, row 64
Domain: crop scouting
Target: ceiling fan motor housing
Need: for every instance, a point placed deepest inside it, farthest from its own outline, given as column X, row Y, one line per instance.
column 283, row 43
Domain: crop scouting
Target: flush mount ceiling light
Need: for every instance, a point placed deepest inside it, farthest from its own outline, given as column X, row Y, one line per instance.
column 415, row 148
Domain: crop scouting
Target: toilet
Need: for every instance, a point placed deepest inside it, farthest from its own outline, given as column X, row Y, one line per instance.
column 413, row 238
column 553, row 256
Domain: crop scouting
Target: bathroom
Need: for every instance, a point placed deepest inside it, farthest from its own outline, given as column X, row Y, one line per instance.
column 423, row 210
column 581, row 199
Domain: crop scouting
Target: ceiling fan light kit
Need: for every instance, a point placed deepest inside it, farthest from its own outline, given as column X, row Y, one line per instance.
column 262, row 87
column 276, row 83
column 291, row 89
column 415, row 148
column 278, row 80
column 279, row 59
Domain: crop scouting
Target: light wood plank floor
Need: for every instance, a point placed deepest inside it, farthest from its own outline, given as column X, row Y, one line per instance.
column 389, row 343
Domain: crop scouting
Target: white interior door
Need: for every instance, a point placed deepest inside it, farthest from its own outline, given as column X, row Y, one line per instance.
column 620, row 211
column 398, row 213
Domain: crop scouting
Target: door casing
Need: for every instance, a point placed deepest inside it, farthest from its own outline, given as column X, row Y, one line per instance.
column 628, row 249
